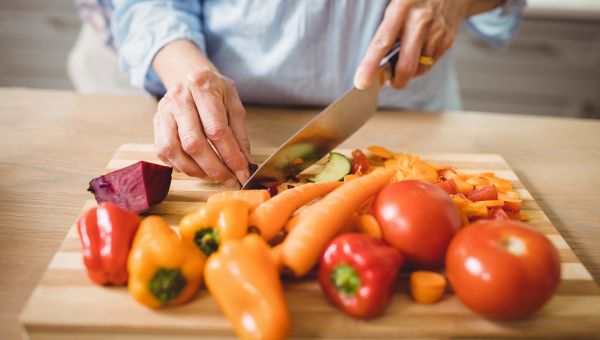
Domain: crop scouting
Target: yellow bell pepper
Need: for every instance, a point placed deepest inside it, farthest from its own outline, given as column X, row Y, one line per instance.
column 214, row 224
column 163, row 270
column 242, row 276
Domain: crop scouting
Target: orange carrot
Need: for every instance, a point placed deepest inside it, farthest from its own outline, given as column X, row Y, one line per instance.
column 306, row 241
column 367, row 224
column 270, row 216
column 276, row 253
column 253, row 197
column 427, row 287
column 380, row 151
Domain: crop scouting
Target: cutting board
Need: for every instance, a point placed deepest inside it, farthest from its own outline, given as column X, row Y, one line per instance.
column 66, row 305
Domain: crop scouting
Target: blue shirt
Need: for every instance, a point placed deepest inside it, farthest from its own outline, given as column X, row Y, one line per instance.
column 287, row 52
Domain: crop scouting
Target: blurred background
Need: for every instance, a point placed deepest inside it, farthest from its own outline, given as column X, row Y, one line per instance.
column 552, row 68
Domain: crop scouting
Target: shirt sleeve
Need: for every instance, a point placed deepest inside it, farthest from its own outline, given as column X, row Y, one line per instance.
column 499, row 26
column 142, row 27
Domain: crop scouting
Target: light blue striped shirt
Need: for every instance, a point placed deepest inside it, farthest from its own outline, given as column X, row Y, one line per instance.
column 288, row 52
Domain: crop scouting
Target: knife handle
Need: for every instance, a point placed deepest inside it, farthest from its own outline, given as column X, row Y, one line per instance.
column 388, row 63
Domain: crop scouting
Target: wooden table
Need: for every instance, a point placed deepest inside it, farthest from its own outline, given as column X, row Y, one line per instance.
column 53, row 143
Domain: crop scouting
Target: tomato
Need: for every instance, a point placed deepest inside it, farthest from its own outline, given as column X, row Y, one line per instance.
column 360, row 162
column 497, row 213
column 487, row 193
column 419, row 219
column 502, row 269
column 448, row 186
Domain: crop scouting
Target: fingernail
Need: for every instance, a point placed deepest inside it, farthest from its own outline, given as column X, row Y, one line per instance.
column 242, row 176
column 232, row 182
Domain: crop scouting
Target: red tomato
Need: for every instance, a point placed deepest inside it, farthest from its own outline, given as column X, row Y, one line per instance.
column 497, row 213
column 502, row 269
column 487, row 193
column 419, row 219
column 360, row 162
column 513, row 206
column 449, row 186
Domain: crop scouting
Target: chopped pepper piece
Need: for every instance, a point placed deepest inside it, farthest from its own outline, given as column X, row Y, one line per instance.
column 242, row 276
column 163, row 269
column 106, row 234
column 215, row 223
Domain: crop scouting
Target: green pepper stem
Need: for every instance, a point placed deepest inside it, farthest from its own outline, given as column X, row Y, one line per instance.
column 207, row 240
column 167, row 284
column 346, row 280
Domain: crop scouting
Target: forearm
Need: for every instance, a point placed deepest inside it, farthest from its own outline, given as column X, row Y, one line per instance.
column 175, row 61
column 480, row 6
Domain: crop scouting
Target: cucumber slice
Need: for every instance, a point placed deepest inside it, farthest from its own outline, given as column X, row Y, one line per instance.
column 336, row 168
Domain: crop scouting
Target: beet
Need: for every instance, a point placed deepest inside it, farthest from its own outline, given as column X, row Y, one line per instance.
column 134, row 188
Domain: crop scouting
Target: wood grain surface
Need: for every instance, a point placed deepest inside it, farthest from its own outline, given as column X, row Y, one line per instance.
column 52, row 143
column 64, row 291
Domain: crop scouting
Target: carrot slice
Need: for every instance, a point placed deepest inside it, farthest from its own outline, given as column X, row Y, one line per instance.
column 305, row 243
column 427, row 287
column 367, row 224
column 253, row 197
column 380, row 151
column 270, row 216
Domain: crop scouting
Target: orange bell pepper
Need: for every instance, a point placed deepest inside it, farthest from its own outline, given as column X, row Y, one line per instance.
column 242, row 276
column 215, row 223
column 163, row 270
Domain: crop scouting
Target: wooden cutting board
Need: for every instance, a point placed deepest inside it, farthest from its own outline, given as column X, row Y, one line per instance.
column 66, row 305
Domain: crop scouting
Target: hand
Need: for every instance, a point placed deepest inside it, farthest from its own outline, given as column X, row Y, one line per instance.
column 424, row 27
column 199, row 128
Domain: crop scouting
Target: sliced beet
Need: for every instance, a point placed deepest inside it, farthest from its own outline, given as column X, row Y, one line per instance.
column 134, row 188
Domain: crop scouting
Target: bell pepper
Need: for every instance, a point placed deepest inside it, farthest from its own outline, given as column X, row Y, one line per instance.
column 106, row 233
column 215, row 223
column 243, row 278
column 358, row 274
column 163, row 270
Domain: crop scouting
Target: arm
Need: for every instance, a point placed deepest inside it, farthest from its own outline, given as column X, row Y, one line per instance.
column 425, row 28
column 199, row 127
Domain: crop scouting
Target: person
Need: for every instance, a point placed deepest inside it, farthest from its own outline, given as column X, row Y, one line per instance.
column 204, row 58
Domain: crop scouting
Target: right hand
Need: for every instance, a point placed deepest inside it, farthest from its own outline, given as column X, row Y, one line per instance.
column 201, row 110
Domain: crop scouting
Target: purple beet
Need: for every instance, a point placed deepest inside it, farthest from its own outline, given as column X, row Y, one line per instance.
column 134, row 188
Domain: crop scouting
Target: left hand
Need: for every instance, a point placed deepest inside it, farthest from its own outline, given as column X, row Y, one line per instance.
column 424, row 27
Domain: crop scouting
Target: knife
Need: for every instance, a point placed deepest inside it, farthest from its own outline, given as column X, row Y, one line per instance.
column 324, row 132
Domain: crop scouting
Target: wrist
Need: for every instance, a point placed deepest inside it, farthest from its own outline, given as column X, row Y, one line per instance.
column 475, row 7
column 175, row 61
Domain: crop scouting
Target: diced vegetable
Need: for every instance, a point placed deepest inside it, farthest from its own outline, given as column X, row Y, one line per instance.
column 133, row 188
column 427, row 287
column 336, row 168
column 486, row 193
column 380, row 151
column 360, row 163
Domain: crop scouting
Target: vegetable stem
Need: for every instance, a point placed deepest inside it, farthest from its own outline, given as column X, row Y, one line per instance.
column 346, row 280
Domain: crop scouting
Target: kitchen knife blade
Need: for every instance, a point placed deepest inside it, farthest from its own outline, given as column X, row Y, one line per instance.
column 324, row 132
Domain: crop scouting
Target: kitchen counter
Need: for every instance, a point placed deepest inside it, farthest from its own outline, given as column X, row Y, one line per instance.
column 52, row 143
column 561, row 9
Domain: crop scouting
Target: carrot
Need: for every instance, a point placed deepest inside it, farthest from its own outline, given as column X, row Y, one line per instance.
column 380, row 151
column 276, row 254
column 253, row 197
column 270, row 216
column 367, row 224
column 323, row 220
column 427, row 287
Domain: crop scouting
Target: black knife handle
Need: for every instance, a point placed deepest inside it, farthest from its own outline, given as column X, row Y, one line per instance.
column 391, row 58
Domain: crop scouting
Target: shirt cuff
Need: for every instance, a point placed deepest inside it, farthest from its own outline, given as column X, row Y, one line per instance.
column 499, row 26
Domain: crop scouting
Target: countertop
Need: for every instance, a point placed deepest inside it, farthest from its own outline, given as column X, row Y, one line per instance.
column 561, row 9
column 53, row 142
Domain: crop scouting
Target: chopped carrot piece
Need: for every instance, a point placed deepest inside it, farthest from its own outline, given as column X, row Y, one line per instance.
column 490, row 203
column 367, row 224
column 380, row 152
column 350, row 177
column 427, row 287
column 253, row 197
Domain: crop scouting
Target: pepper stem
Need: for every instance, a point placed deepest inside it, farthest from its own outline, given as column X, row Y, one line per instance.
column 345, row 279
column 207, row 240
column 166, row 284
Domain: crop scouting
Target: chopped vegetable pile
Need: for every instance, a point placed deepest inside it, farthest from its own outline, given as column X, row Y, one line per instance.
column 360, row 221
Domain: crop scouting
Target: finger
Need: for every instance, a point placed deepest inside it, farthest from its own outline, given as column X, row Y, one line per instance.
column 237, row 122
column 383, row 40
column 434, row 37
column 168, row 147
column 444, row 45
column 192, row 138
column 213, row 116
column 412, row 44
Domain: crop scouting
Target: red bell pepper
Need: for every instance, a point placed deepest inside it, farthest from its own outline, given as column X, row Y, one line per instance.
column 106, row 234
column 358, row 274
